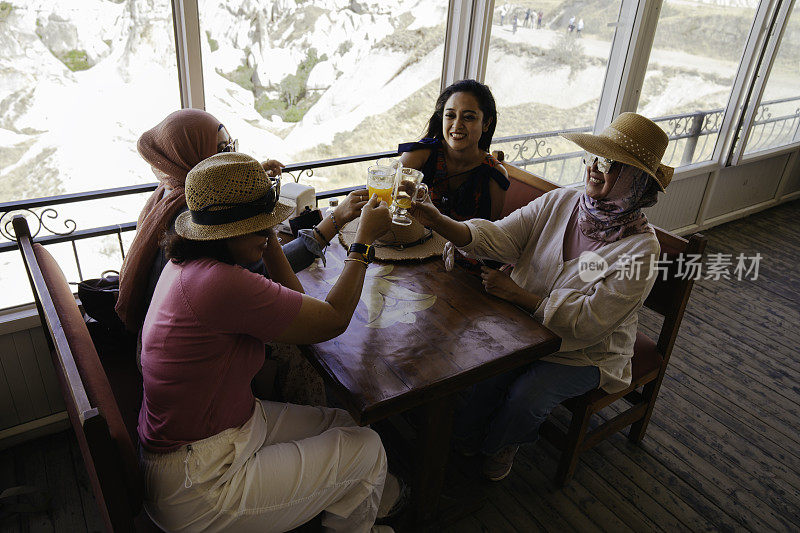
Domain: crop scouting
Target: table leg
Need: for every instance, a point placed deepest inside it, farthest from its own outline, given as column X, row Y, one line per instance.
column 433, row 449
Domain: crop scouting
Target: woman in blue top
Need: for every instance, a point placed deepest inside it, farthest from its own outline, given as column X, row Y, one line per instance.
column 465, row 181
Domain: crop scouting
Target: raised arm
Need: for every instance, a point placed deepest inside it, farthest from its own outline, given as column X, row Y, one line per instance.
column 320, row 320
column 301, row 253
column 426, row 214
column 278, row 267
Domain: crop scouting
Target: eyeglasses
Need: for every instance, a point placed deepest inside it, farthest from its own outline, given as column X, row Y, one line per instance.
column 231, row 146
column 603, row 163
column 276, row 184
column 264, row 232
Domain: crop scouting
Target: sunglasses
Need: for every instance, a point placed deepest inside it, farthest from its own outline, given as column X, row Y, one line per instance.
column 275, row 184
column 603, row 163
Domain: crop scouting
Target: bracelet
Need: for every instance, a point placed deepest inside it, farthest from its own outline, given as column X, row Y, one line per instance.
column 321, row 236
column 335, row 225
column 355, row 259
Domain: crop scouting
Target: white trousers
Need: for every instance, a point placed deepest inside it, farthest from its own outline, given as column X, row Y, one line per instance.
column 277, row 471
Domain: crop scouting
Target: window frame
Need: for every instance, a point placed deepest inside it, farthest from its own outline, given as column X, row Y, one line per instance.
column 186, row 23
column 773, row 30
column 466, row 47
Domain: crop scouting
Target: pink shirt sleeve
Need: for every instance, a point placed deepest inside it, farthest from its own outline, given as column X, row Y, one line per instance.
column 231, row 299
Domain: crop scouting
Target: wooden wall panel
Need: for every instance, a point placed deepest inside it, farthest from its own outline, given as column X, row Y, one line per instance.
column 51, row 386
column 8, row 413
column 20, row 398
column 745, row 185
column 29, row 387
column 679, row 205
column 793, row 179
column 32, row 377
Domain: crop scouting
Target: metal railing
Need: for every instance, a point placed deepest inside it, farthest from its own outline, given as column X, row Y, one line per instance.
column 692, row 138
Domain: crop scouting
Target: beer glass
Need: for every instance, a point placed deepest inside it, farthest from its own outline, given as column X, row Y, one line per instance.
column 380, row 181
column 407, row 188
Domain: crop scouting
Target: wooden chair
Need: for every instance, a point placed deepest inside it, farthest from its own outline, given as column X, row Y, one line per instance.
column 94, row 407
column 668, row 298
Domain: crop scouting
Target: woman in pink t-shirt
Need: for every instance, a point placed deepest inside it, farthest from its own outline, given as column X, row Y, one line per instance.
column 214, row 456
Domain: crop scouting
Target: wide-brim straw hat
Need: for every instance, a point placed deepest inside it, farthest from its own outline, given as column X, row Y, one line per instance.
column 400, row 243
column 229, row 195
column 631, row 139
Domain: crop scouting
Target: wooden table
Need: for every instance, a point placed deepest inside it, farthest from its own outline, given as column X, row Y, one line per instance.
column 419, row 335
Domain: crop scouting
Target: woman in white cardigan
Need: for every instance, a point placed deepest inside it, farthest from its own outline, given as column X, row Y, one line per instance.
column 582, row 267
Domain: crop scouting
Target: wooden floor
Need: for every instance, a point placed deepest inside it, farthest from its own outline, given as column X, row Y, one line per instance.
column 722, row 451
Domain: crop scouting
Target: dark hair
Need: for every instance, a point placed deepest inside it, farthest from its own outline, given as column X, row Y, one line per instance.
column 485, row 100
column 180, row 249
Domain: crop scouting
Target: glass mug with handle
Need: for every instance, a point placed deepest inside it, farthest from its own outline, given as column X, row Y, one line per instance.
column 408, row 187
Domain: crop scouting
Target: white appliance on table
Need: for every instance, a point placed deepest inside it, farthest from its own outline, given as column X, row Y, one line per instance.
column 299, row 195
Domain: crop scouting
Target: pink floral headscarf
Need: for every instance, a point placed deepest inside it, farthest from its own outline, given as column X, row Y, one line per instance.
column 619, row 214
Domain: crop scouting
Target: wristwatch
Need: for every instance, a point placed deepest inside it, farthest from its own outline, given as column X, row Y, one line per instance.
column 367, row 251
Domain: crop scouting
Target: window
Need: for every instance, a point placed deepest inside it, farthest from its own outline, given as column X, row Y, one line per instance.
column 693, row 62
column 304, row 81
column 82, row 79
column 777, row 118
column 546, row 67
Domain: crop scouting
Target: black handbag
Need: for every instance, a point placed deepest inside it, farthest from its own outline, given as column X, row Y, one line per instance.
column 99, row 296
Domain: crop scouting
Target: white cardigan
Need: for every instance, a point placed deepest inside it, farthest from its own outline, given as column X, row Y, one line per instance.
column 596, row 320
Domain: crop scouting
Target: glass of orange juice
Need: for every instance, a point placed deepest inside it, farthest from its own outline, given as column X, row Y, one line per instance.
column 380, row 181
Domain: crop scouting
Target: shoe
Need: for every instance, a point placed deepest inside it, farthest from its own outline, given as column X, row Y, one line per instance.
column 396, row 486
column 497, row 466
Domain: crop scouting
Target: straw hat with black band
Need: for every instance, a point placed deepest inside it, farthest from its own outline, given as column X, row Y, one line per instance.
column 400, row 243
column 229, row 195
column 631, row 139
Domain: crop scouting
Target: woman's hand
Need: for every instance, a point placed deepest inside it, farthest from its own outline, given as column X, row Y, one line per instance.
column 278, row 267
column 375, row 220
column 425, row 212
column 499, row 283
column 272, row 167
column 351, row 206
column 272, row 239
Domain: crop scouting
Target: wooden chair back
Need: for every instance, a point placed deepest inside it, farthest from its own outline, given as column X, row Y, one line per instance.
column 525, row 186
column 105, row 443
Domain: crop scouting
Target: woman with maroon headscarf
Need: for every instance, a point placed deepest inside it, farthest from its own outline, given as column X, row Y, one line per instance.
column 172, row 149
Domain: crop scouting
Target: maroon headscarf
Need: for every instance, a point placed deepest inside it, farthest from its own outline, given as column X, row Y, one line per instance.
column 174, row 147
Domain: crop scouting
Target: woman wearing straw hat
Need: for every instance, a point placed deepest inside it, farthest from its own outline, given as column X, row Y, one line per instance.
column 214, row 457
column 572, row 250
column 172, row 148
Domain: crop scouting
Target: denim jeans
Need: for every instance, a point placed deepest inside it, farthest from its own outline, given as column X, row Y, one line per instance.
column 508, row 409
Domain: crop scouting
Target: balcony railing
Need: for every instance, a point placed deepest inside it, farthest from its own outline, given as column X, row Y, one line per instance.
column 692, row 138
